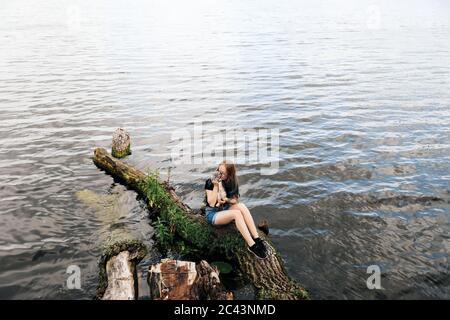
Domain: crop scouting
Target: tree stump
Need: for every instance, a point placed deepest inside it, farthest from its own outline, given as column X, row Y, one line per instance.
column 120, row 271
column 184, row 280
column 121, row 143
column 263, row 225
column 208, row 283
column 117, row 270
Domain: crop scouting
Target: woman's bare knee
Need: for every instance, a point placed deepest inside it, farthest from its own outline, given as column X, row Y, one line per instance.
column 234, row 207
column 239, row 218
column 239, row 214
column 241, row 204
column 237, row 208
column 242, row 207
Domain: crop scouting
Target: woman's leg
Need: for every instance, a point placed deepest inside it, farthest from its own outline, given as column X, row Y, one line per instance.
column 247, row 218
column 226, row 216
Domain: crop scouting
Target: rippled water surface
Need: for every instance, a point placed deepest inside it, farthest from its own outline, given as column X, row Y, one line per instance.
column 359, row 92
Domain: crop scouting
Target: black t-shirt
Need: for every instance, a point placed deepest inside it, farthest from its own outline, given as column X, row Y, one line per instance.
column 230, row 191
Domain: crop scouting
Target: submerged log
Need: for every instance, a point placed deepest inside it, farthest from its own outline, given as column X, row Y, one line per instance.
column 117, row 270
column 179, row 225
column 184, row 280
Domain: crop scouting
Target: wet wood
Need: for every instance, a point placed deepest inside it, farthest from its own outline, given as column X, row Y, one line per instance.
column 121, row 143
column 117, row 278
column 120, row 271
column 263, row 225
column 185, row 280
column 268, row 276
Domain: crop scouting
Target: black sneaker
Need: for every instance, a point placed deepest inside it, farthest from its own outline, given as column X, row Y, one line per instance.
column 258, row 240
column 262, row 244
column 258, row 251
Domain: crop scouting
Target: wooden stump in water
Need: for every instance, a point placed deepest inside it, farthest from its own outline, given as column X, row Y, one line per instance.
column 208, row 283
column 117, row 270
column 120, row 271
column 184, row 280
column 263, row 225
column 121, row 143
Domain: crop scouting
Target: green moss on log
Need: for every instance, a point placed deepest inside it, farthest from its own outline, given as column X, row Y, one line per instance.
column 120, row 153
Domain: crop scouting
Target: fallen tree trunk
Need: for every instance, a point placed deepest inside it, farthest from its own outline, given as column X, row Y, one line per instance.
column 185, row 280
column 179, row 225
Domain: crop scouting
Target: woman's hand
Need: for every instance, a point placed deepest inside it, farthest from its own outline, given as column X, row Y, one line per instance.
column 223, row 201
column 232, row 200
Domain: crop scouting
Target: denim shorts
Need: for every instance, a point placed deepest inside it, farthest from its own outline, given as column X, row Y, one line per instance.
column 210, row 212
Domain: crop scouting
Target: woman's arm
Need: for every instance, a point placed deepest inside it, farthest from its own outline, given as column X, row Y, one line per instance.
column 232, row 200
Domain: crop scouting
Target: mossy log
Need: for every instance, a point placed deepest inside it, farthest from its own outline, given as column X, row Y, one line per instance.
column 178, row 224
column 185, row 280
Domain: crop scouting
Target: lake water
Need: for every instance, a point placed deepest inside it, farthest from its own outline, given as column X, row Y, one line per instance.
column 359, row 91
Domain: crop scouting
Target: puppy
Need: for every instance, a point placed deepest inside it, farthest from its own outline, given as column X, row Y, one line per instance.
column 222, row 194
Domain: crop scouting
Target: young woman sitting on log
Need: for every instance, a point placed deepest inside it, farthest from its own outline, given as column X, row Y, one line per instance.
column 224, row 209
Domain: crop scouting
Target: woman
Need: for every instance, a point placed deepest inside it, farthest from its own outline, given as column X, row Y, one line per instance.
column 223, row 211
